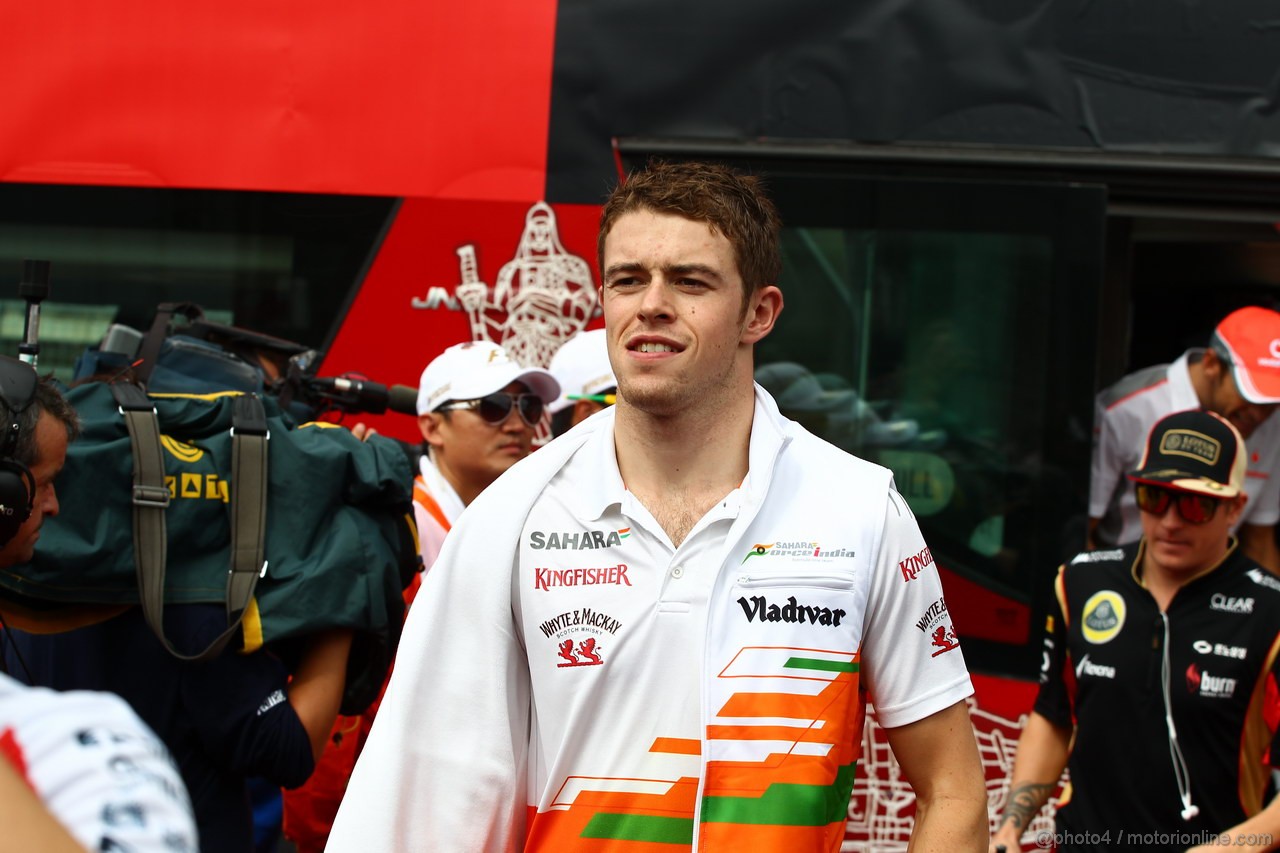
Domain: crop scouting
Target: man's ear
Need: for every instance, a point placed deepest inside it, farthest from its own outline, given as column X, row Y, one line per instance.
column 763, row 307
column 429, row 425
column 1213, row 364
column 1235, row 507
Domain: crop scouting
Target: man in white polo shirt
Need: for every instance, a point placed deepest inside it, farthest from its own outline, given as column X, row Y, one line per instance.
column 663, row 627
column 1237, row 377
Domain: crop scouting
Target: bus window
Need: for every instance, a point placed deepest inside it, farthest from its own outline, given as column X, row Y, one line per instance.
column 946, row 331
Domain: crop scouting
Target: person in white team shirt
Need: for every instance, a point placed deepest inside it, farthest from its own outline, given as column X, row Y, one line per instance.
column 478, row 411
column 1237, row 377
column 587, row 384
column 96, row 768
column 664, row 626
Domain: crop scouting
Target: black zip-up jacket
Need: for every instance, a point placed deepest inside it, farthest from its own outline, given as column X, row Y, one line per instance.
column 1109, row 656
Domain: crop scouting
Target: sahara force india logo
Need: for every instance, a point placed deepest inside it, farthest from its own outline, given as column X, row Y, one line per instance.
column 803, row 550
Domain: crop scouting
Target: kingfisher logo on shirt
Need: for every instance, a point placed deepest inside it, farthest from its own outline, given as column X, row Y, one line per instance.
column 1103, row 616
column 802, row 549
column 545, row 579
column 911, row 566
column 577, row 540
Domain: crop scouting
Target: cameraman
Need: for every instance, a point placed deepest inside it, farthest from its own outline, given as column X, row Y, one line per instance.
column 77, row 770
column 224, row 720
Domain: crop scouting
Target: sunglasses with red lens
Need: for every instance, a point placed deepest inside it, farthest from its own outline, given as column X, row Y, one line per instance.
column 1194, row 509
column 495, row 408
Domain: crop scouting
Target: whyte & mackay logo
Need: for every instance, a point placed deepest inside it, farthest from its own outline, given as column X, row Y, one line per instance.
column 577, row 540
column 574, row 649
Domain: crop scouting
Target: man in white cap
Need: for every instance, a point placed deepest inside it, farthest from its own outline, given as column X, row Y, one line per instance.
column 478, row 411
column 587, row 384
column 1237, row 377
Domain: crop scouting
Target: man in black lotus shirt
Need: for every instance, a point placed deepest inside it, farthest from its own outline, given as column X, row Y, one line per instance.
column 1159, row 664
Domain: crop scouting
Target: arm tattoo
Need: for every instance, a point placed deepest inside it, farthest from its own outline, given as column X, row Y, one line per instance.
column 1024, row 802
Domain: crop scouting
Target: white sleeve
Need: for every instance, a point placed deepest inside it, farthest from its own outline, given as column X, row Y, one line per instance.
column 911, row 662
column 1108, row 463
column 1263, row 508
column 97, row 768
column 445, row 764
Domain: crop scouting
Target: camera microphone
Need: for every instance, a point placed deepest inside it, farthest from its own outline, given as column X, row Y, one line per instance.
column 364, row 396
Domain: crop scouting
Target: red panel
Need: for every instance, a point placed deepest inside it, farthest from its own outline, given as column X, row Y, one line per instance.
column 983, row 613
column 389, row 340
column 386, row 97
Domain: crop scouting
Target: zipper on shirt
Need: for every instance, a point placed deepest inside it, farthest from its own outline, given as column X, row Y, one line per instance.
column 835, row 580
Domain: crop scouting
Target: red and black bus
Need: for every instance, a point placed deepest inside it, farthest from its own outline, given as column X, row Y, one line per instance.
column 992, row 210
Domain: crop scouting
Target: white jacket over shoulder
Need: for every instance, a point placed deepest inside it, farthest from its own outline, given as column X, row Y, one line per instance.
column 570, row 680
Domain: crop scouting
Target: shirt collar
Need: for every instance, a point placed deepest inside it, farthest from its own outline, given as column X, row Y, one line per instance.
column 438, row 487
column 1183, row 392
column 596, row 487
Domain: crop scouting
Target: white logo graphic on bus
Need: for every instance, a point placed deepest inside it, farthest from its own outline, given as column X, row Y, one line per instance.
column 542, row 297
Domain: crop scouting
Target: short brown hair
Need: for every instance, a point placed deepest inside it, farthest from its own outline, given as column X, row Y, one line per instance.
column 730, row 202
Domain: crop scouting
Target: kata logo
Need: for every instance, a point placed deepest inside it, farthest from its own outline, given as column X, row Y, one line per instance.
column 568, row 630
column 1103, row 616
column 803, row 550
column 1207, row 685
column 581, row 540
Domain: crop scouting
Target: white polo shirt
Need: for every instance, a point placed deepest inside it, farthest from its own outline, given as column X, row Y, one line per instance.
column 97, row 768
column 621, row 698
column 579, row 677
column 1123, row 417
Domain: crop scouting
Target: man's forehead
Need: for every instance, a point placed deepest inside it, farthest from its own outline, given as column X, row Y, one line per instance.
column 647, row 238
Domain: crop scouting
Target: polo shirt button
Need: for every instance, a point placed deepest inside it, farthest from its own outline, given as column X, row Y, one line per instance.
column 677, row 572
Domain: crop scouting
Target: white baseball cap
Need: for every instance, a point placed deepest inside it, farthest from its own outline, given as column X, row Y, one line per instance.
column 581, row 365
column 472, row 370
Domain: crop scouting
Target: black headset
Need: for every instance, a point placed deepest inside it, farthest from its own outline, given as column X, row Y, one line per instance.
column 18, row 383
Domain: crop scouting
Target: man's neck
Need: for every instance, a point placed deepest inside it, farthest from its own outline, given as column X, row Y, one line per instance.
column 679, row 466
column 1164, row 585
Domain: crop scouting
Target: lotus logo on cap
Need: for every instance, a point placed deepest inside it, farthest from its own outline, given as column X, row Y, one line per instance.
column 1193, row 445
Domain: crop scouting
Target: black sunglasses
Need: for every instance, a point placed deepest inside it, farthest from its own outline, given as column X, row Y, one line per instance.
column 1194, row 509
column 496, row 407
